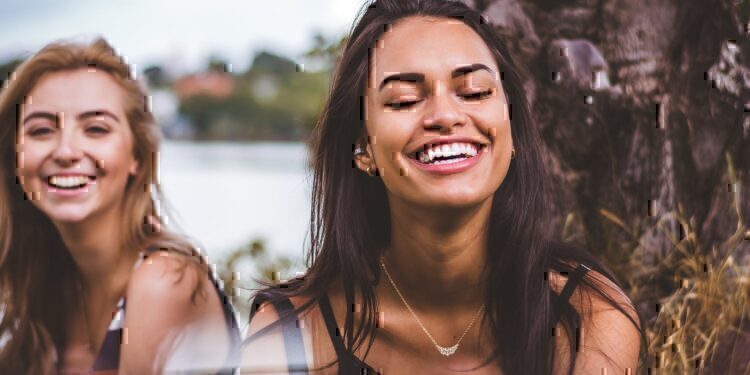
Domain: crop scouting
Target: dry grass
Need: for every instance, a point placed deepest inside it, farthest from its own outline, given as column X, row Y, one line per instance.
column 712, row 298
column 698, row 296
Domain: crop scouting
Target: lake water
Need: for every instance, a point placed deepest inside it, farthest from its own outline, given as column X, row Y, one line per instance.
column 223, row 195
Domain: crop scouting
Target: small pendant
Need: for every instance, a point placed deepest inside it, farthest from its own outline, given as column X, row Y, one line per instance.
column 447, row 351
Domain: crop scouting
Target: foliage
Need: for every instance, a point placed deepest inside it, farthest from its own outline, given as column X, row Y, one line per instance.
column 326, row 51
column 156, row 76
column 275, row 98
column 251, row 259
column 7, row 68
column 701, row 297
column 712, row 300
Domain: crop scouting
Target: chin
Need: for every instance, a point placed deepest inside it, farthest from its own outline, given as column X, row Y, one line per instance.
column 67, row 215
column 457, row 199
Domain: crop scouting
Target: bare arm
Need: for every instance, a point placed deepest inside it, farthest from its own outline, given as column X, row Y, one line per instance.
column 609, row 343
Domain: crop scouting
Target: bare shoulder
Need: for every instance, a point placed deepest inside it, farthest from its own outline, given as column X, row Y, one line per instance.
column 265, row 316
column 172, row 311
column 264, row 348
column 609, row 337
column 173, row 279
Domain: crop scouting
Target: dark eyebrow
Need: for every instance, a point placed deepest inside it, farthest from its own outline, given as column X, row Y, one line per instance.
column 43, row 115
column 97, row 113
column 464, row 70
column 404, row 77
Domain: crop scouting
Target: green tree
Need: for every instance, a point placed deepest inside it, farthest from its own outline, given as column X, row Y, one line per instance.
column 7, row 68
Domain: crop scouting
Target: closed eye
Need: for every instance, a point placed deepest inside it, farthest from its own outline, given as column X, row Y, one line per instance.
column 401, row 105
column 97, row 130
column 40, row 131
column 477, row 95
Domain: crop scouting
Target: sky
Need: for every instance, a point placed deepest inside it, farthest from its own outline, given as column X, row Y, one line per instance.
column 179, row 34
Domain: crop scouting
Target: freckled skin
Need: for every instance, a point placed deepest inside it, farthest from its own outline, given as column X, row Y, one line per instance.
column 435, row 48
column 97, row 146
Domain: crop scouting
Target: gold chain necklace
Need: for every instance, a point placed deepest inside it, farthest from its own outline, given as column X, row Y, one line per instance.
column 446, row 351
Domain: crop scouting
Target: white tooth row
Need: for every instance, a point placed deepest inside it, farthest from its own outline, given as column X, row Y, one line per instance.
column 68, row 181
column 447, row 150
column 448, row 161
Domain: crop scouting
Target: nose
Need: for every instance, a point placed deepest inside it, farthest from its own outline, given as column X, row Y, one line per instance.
column 67, row 151
column 443, row 112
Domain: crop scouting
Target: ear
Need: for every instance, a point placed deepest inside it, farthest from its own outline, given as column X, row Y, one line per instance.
column 133, row 167
column 364, row 159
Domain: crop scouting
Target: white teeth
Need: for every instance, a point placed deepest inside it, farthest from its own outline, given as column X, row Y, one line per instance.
column 456, row 151
column 449, row 161
column 68, row 181
column 447, row 151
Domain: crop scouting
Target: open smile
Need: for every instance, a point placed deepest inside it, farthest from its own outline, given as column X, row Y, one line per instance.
column 69, row 184
column 447, row 158
column 447, row 153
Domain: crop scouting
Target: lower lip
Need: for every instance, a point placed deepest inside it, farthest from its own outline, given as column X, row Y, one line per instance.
column 450, row 168
column 70, row 192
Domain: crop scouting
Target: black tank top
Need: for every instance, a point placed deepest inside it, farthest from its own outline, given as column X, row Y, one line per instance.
column 349, row 363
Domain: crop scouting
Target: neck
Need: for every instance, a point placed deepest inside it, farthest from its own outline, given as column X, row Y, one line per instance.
column 96, row 247
column 436, row 257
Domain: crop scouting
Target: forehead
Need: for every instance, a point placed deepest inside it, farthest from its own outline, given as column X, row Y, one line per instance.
column 430, row 46
column 75, row 91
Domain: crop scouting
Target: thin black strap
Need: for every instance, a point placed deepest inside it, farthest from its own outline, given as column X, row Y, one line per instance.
column 293, row 343
column 348, row 362
column 235, row 341
column 327, row 311
column 573, row 281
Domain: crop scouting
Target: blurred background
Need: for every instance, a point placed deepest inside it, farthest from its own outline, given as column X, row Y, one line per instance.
column 236, row 87
column 643, row 107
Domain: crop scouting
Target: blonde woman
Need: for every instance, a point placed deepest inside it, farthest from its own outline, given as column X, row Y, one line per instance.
column 90, row 280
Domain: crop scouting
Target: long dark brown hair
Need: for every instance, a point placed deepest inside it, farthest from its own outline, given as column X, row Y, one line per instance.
column 38, row 276
column 350, row 219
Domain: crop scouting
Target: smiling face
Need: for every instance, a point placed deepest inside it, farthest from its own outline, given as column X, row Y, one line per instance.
column 75, row 145
column 436, row 115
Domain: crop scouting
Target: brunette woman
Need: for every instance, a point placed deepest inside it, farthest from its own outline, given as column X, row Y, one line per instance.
column 90, row 279
column 430, row 251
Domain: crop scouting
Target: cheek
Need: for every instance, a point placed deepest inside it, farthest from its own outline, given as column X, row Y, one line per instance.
column 114, row 158
column 28, row 161
column 502, row 144
column 504, row 136
column 495, row 121
column 392, row 132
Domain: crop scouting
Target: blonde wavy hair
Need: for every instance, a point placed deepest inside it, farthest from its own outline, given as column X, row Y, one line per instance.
column 38, row 277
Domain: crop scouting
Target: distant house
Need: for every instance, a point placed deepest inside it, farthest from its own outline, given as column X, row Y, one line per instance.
column 215, row 84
